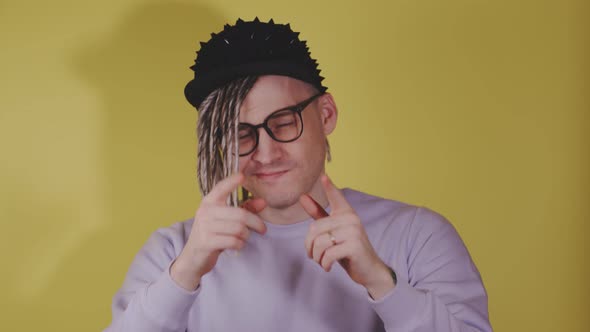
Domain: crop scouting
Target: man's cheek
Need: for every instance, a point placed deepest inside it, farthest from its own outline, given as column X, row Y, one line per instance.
column 242, row 164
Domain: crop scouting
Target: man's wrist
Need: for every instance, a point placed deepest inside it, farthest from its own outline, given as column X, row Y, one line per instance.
column 184, row 276
column 385, row 281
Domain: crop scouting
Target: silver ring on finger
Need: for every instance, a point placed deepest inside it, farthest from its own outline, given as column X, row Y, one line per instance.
column 332, row 238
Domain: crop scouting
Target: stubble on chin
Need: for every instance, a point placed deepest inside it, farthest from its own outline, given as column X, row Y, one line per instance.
column 276, row 198
column 282, row 200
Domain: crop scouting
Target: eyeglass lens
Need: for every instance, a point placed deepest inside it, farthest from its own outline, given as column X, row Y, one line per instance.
column 282, row 126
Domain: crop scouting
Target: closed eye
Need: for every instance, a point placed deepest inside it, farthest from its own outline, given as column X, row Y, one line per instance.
column 286, row 124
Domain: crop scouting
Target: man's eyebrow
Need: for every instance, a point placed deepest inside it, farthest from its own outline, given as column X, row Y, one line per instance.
column 296, row 105
column 290, row 107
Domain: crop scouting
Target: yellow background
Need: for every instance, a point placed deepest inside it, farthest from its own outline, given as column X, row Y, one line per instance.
column 478, row 109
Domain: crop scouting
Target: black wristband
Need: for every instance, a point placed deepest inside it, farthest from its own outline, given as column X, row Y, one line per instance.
column 393, row 275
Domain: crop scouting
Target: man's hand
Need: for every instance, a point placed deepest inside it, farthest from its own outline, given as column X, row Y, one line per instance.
column 216, row 228
column 341, row 237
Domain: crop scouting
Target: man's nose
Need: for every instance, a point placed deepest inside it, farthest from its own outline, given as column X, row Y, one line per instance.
column 268, row 150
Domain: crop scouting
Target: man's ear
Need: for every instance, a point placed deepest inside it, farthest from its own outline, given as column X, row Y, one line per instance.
column 328, row 113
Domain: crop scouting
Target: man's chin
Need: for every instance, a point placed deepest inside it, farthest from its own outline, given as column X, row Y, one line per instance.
column 279, row 200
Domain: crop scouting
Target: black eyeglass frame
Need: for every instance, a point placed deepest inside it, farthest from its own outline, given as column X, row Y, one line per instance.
column 298, row 108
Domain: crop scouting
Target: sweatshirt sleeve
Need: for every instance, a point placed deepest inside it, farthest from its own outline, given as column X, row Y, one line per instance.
column 442, row 290
column 149, row 299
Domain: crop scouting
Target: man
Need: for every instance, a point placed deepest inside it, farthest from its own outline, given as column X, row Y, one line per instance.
column 298, row 254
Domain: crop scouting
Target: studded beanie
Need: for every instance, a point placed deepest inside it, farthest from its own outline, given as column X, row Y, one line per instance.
column 251, row 48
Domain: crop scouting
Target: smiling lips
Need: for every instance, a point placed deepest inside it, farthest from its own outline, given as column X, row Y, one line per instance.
column 269, row 175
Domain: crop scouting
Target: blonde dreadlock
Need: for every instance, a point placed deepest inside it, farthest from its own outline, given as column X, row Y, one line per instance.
column 217, row 131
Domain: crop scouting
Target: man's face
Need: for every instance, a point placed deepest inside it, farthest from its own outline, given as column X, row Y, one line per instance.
column 281, row 172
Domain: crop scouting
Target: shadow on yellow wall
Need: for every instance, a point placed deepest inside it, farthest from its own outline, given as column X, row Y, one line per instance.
column 83, row 217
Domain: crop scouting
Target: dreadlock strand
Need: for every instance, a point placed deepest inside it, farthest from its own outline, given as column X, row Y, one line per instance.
column 244, row 87
column 214, row 155
column 206, row 142
column 229, row 142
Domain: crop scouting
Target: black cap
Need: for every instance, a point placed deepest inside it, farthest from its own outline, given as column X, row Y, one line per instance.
column 251, row 49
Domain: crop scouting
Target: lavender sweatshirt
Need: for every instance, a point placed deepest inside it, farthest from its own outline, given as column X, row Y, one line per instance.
column 272, row 285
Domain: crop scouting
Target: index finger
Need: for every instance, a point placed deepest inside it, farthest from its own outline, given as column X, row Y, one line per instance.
column 334, row 196
column 223, row 188
column 313, row 208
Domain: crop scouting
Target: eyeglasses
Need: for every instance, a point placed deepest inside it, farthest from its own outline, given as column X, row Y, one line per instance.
column 284, row 125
